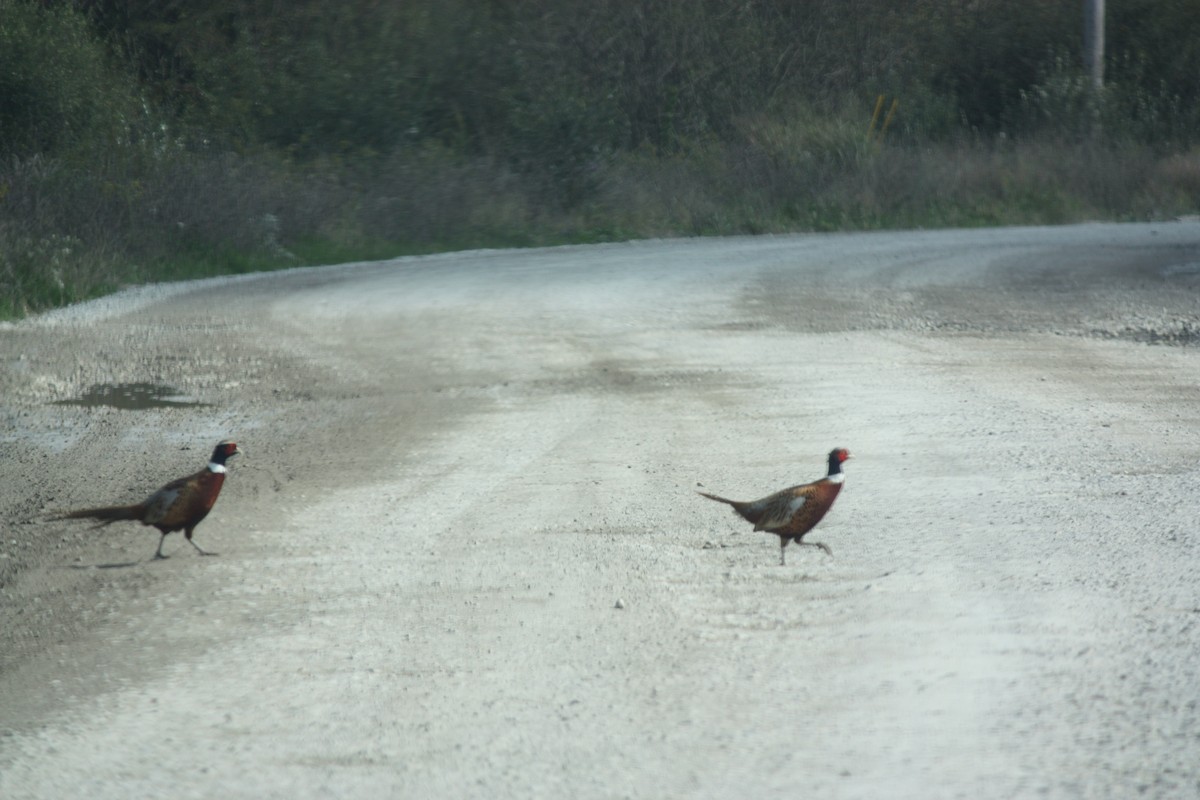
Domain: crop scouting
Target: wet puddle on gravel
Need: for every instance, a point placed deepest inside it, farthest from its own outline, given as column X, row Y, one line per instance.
column 132, row 397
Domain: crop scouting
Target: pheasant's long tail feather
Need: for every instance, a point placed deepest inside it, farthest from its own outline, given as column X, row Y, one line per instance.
column 106, row 515
column 741, row 509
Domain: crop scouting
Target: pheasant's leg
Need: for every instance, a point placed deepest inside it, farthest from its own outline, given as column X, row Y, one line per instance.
column 202, row 551
column 821, row 545
column 158, row 553
column 783, row 542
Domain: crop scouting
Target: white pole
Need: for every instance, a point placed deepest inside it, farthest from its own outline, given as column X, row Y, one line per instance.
column 1093, row 41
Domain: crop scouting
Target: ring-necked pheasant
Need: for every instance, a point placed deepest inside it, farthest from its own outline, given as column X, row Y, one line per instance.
column 793, row 512
column 180, row 505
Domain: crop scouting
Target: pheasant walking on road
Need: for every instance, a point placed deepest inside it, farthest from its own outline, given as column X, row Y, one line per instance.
column 791, row 513
column 180, row 505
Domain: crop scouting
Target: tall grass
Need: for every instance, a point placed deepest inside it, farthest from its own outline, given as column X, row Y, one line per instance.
column 70, row 233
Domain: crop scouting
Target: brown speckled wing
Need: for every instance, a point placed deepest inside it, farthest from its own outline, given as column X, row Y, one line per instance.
column 783, row 507
column 160, row 504
column 184, row 502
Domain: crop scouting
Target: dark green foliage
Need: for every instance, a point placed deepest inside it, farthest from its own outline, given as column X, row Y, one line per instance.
column 57, row 91
column 986, row 55
column 556, row 85
column 1156, row 46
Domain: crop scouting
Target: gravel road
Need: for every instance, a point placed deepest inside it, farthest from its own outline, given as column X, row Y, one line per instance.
column 463, row 556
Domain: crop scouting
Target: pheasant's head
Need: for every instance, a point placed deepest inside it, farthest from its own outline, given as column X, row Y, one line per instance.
column 225, row 450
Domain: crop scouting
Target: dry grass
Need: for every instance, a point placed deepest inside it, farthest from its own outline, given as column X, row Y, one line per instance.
column 71, row 232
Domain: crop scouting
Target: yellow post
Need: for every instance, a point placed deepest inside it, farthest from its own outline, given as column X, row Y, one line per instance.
column 888, row 119
column 875, row 116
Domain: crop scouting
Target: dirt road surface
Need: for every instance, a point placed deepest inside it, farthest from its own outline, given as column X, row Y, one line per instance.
column 463, row 556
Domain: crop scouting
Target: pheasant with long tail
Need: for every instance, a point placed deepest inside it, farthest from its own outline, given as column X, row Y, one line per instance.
column 178, row 506
column 793, row 512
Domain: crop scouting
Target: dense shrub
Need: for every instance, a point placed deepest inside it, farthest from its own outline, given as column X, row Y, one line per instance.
column 57, row 90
